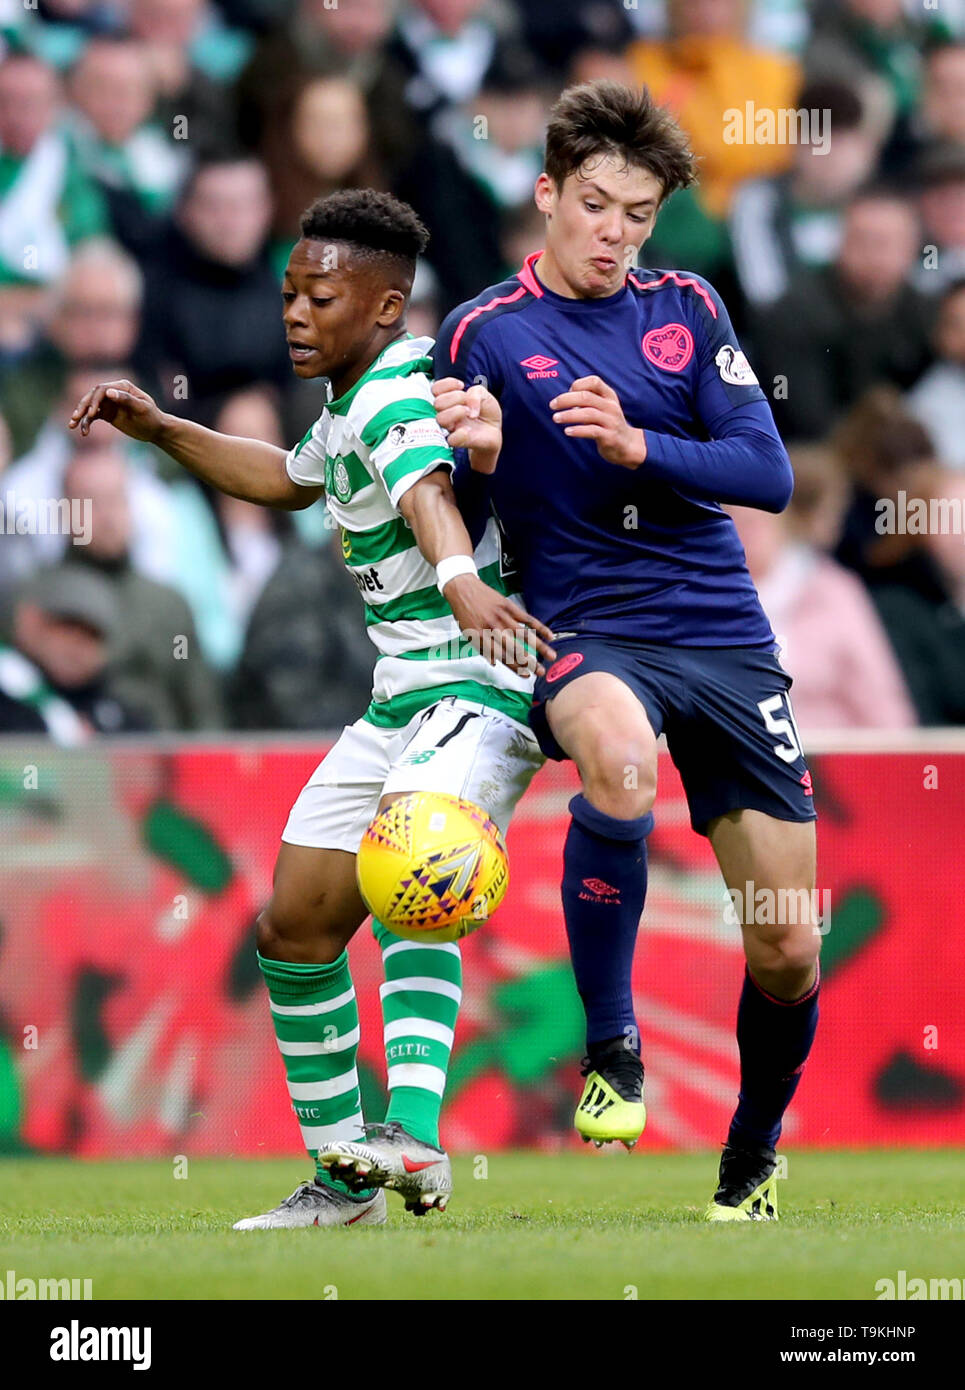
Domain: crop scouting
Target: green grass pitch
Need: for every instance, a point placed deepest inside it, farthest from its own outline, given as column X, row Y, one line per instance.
column 562, row 1226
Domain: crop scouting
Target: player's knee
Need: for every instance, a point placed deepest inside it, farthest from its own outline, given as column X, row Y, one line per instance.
column 800, row 951
column 296, row 936
column 614, row 798
column 620, row 773
column 790, row 963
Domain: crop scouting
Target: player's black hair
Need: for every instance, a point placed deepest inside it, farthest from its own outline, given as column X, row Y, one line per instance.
column 606, row 118
column 374, row 224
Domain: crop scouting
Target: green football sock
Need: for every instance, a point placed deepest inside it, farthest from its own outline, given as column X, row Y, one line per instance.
column 316, row 1023
column 420, row 1002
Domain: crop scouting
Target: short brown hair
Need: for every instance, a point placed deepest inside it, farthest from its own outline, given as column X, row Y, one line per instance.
column 606, row 118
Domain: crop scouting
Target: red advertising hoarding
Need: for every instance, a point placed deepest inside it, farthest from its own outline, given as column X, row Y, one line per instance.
column 133, row 1020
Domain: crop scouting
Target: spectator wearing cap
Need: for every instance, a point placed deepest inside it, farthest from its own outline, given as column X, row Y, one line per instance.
column 157, row 663
column 212, row 313
column 838, row 331
column 47, row 203
column 54, row 675
column 937, row 400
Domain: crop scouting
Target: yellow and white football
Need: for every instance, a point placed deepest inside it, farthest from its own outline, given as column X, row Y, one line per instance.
column 432, row 867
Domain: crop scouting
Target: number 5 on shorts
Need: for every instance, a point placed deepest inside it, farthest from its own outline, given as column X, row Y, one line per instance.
column 784, row 728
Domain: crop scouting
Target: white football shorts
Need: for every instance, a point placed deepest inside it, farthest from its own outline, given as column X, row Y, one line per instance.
column 455, row 746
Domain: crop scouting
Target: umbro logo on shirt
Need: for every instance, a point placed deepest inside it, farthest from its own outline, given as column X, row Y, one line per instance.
column 539, row 366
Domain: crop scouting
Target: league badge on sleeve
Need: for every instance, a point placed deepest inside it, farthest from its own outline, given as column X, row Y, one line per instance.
column 734, row 367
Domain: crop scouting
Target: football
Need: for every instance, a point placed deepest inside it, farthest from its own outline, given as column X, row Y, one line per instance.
column 432, row 867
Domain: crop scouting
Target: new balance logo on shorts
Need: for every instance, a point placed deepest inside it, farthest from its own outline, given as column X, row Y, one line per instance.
column 595, row 1102
column 598, row 891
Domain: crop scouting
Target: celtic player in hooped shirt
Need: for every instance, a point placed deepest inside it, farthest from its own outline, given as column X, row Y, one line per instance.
column 611, row 413
column 443, row 717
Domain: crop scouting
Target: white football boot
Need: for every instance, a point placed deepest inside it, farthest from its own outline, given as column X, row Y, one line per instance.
column 390, row 1157
column 316, row 1204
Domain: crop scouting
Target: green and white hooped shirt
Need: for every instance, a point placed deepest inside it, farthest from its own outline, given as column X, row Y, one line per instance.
column 367, row 449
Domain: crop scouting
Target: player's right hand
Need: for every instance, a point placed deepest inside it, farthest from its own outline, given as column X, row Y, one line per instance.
column 121, row 404
column 472, row 420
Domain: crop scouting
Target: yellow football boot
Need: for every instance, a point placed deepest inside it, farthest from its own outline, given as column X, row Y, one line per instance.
column 747, row 1187
column 611, row 1106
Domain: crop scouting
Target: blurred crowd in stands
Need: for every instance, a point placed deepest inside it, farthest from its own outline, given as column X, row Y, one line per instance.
column 155, row 157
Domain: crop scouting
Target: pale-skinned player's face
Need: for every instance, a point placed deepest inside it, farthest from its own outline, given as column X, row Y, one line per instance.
column 337, row 314
column 595, row 226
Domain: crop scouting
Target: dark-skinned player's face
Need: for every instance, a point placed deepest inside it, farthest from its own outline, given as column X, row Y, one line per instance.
column 338, row 310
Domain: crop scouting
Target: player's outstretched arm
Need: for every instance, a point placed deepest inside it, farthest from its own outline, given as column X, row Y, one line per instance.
column 245, row 468
column 472, row 420
column 497, row 627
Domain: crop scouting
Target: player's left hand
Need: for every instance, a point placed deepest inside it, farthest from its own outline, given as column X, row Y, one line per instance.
column 498, row 628
column 591, row 409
